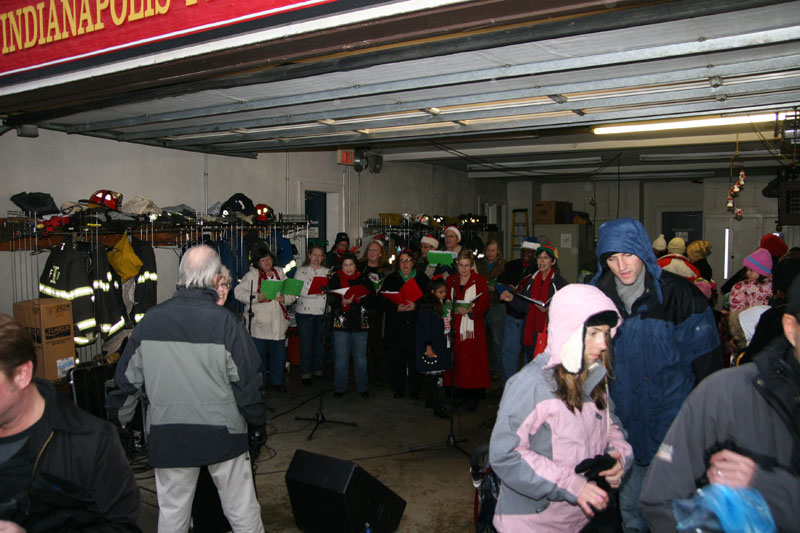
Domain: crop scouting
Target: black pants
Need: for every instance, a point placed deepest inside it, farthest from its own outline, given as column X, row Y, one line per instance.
column 403, row 368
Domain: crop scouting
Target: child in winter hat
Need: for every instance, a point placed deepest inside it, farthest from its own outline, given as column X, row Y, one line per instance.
column 756, row 288
column 759, row 261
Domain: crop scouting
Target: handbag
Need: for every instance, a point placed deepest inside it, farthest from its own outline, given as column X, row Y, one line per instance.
column 123, row 259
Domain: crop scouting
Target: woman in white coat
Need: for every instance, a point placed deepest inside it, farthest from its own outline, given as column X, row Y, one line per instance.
column 270, row 319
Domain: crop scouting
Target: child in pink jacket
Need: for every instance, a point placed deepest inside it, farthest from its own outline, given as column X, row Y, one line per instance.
column 556, row 413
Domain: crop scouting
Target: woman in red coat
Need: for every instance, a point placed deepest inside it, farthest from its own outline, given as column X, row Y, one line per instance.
column 471, row 360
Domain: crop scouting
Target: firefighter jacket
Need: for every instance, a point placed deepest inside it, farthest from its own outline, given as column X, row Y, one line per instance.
column 145, row 294
column 109, row 309
column 66, row 276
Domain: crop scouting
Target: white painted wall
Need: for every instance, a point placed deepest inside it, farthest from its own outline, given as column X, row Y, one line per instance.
column 73, row 167
column 646, row 201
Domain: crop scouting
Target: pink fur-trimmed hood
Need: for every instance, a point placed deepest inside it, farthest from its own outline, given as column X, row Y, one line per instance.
column 569, row 309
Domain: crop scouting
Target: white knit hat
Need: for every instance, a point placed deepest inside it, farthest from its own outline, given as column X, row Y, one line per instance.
column 660, row 244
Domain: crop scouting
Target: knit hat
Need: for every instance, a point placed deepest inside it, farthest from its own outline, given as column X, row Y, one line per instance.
column 551, row 250
column 341, row 237
column 660, row 244
column 430, row 240
column 697, row 250
column 774, row 245
column 676, row 246
column 530, row 243
column 454, row 230
column 759, row 261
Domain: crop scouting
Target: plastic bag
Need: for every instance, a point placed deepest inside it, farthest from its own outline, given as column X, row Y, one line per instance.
column 721, row 508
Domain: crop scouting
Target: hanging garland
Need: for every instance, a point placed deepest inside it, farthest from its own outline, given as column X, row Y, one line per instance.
column 733, row 192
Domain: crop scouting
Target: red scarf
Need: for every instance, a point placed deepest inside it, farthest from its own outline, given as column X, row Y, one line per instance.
column 344, row 281
column 273, row 274
column 535, row 320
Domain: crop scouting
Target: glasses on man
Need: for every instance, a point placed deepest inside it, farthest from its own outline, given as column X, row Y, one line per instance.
column 407, row 260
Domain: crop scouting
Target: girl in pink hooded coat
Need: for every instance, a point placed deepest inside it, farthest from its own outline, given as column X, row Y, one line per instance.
column 554, row 414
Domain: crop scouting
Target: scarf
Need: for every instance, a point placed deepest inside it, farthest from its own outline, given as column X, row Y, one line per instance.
column 536, row 320
column 272, row 274
column 345, row 282
column 413, row 274
column 466, row 329
column 630, row 293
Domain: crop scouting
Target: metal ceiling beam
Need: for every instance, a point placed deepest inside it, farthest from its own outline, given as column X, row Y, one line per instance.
column 218, row 76
column 651, row 99
column 751, row 67
column 344, row 139
column 761, row 38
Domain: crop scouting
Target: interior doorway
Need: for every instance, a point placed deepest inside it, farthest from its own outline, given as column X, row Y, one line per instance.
column 316, row 209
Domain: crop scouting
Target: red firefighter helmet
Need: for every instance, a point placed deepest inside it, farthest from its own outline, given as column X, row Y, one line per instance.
column 264, row 213
column 106, row 198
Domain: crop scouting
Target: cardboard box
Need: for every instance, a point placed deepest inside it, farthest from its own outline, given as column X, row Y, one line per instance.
column 551, row 212
column 49, row 321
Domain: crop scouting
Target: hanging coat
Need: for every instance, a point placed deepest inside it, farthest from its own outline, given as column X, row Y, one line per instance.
column 471, row 359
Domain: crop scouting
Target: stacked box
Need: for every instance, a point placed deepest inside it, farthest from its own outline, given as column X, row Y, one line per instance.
column 551, row 212
column 49, row 321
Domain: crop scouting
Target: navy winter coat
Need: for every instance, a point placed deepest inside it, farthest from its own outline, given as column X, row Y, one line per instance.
column 667, row 344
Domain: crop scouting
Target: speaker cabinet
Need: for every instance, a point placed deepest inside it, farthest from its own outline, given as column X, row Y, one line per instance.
column 330, row 494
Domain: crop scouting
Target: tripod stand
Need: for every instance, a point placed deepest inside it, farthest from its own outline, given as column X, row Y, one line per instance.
column 450, row 441
column 319, row 416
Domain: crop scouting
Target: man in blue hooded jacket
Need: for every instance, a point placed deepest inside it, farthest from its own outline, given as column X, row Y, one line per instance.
column 667, row 343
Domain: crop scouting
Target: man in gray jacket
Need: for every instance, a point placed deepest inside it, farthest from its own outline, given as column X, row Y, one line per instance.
column 740, row 427
column 199, row 369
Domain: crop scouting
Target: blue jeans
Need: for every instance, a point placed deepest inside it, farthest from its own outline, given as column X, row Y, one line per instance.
column 512, row 344
column 632, row 519
column 344, row 344
column 273, row 356
column 495, row 321
column 309, row 329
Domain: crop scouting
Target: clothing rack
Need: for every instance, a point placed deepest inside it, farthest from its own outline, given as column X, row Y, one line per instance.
column 27, row 243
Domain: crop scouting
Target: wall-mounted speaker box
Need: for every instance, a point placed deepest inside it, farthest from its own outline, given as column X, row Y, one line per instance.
column 329, row 494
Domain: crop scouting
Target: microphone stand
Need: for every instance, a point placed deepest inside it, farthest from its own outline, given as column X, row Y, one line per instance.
column 319, row 416
column 450, row 441
column 250, row 313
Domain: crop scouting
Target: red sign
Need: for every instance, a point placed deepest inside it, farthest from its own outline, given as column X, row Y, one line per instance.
column 43, row 33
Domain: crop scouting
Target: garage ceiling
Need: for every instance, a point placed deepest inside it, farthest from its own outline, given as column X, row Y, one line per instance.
column 512, row 96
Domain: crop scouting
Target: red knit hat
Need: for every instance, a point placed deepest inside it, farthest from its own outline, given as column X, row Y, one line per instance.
column 774, row 245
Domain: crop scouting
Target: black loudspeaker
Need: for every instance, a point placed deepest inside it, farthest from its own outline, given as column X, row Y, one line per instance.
column 375, row 163
column 330, row 494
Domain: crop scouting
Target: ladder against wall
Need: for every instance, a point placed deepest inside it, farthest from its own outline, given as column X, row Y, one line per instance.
column 519, row 230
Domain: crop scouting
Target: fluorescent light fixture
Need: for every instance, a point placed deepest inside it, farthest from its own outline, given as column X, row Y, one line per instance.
column 727, row 253
column 537, row 163
column 700, row 156
column 690, row 123
column 608, row 175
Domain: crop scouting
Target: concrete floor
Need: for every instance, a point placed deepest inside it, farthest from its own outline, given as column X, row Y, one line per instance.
column 435, row 483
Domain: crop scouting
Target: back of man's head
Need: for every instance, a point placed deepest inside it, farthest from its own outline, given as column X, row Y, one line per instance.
column 16, row 346
column 198, row 267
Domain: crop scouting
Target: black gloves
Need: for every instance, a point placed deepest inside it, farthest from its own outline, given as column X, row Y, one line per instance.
column 591, row 468
column 257, row 437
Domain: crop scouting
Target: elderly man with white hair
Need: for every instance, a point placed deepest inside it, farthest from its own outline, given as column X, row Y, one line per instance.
column 199, row 369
